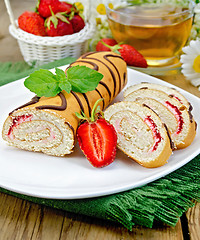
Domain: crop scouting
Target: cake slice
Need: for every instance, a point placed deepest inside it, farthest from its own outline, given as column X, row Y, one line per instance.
column 172, row 92
column 140, row 132
column 177, row 117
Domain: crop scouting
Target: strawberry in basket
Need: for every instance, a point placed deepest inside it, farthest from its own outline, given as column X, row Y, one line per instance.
column 46, row 6
column 58, row 25
column 33, row 23
column 52, row 18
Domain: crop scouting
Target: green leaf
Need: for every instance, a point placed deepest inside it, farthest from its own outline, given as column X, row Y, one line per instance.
column 64, row 84
column 43, row 83
column 79, row 79
column 83, row 79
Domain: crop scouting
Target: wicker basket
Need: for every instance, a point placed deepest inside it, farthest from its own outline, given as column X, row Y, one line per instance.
column 47, row 49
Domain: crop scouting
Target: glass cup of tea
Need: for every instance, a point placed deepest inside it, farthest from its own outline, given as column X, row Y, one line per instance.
column 157, row 30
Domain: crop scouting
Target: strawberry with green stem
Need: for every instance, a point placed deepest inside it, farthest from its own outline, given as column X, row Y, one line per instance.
column 130, row 55
column 58, row 25
column 44, row 7
column 97, row 138
column 109, row 41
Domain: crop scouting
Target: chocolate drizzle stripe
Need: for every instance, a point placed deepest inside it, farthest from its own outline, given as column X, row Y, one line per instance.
column 70, row 126
column 35, row 99
column 110, row 55
column 190, row 106
column 124, row 79
column 62, row 107
column 78, row 100
column 110, row 70
column 190, row 112
column 170, row 139
column 95, row 66
column 101, row 97
column 191, row 116
column 107, row 88
column 86, row 99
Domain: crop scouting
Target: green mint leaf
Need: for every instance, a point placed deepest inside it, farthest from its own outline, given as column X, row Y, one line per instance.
column 64, row 84
column 43, row 83
column 79, row 79
column 83, row 79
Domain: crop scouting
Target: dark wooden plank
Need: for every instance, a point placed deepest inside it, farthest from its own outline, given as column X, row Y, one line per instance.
column 82, row 227
column 193, row 219
column 24, row 220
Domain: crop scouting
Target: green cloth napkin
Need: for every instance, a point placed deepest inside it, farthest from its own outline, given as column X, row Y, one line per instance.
column 10, row 72
column 164, row 200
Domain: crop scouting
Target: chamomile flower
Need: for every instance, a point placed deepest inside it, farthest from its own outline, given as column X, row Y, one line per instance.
column 191, row 62
column 99, row 14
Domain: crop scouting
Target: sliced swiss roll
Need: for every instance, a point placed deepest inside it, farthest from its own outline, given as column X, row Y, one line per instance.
column 172, row 92
column 174, row 114
column 49, row 124
column 140, row 133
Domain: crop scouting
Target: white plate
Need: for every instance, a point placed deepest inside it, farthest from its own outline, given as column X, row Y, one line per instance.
column 73, row 177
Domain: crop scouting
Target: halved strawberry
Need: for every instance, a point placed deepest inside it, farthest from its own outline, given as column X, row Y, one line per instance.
column 97, row 139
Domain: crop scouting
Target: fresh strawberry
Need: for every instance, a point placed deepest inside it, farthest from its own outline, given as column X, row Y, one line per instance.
column 130, row 55
column 31, row 22
column 65, row 7
column 97, row 139
column 77, row 23
column 46, row 6
column 58, row 25
column 109, row 41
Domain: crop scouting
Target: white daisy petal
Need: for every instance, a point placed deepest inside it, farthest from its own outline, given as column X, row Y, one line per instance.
column 195, row 46
column 188, row 65
column 187, row 71
column 195, row 82
column 189, row 50
column 186, row 49
column 192, row 76
column 185, row 57
column 187, row 60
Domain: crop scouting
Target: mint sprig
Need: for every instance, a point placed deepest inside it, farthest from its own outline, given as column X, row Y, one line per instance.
column 79, row 79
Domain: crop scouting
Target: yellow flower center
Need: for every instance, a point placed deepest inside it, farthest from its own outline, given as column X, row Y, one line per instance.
column 79, row 6
column 110, row 5
column 196, row 64
column 101, row 9
column 98, row 21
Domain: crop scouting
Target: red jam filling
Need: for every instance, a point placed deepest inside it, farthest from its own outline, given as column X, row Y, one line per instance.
column 177, row 114
column 17, row 121
column 176, row 98
column 156, row 134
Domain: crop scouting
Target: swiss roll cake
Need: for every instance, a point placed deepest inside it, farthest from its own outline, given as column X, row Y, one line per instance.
column 49, row 124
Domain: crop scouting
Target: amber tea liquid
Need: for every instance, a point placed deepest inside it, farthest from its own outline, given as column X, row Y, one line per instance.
column 156, row 33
